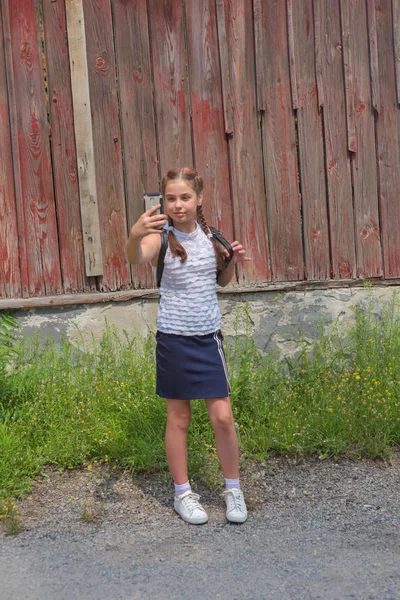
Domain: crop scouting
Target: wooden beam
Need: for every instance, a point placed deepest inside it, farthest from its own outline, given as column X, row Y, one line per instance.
column 84, row 138
column 129, row 295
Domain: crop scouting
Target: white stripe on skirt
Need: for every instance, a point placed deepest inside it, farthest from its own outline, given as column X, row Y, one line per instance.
column 221, row 353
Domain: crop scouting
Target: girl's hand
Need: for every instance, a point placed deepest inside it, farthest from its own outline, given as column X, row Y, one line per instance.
column 239, row 253
column 148, row 223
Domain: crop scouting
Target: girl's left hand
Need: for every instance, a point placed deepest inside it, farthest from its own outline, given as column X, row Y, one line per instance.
column 239, row 253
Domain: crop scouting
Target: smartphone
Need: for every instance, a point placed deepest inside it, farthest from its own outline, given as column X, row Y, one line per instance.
column 152, row 199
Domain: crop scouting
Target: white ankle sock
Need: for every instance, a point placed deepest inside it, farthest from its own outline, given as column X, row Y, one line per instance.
column 232, row 484
column 182, row 488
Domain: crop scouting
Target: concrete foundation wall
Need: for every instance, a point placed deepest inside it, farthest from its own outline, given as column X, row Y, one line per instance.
column 274, row 317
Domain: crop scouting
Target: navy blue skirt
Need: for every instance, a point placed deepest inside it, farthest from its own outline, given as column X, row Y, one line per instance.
column 190, row 367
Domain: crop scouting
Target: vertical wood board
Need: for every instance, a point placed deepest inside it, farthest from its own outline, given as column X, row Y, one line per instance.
column 107, row 143
column 170, row 84
column 388, row 135
column 84, row 138
column 223, row 51
column 64, row 160
column 349, row 73
column 364, row 160
column 396, row 38
column 135, row 84
column 37, row 226
column 246, row 165
column 281, row 172
column 337, row 160
column 318, row 55
column 210, row 146
column 10, row 276
column 373, row 53
column 311, row 147
column 292, row 54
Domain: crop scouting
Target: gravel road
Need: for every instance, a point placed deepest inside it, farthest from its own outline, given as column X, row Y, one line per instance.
column 316, row 529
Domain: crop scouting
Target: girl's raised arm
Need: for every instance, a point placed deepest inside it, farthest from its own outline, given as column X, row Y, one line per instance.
column 144, row 241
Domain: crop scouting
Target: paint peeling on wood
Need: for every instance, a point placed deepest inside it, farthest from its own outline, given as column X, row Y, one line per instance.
column 388, row 128
column 311, row 147
column 170, row 83
column 340, row 203
column 213, row 108
column 210, row 150
column 345, row 6
column 364, row 162
column 279, row 139
column 292, row 61
column 64, row 161
column 40, row 265
column 10, row 276
column 108, row 156
column 131, row 33
column 227, row 92
column 396, row 39
column 373, row 53
column 248, row 196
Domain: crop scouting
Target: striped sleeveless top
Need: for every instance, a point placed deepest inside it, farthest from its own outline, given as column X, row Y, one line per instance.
column 188, row 293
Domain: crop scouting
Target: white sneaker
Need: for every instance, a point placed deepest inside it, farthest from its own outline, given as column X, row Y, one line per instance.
column 189, row 508
column 236, row 510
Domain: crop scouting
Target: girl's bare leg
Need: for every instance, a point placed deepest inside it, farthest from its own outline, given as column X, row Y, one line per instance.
column 178, row 420
column 221, row 417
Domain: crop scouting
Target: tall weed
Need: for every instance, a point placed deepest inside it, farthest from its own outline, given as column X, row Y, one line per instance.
column 70, row 404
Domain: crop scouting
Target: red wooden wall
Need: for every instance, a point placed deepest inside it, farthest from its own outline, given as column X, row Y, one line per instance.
column 290, row 109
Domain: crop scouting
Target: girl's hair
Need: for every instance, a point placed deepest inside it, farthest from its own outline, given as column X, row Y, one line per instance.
column 193, row 179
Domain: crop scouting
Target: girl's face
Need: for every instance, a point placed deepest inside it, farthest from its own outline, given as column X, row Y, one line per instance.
column 180, row 204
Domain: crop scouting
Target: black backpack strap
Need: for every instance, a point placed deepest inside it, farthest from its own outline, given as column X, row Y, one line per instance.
column 161, row 256
column 220, row 238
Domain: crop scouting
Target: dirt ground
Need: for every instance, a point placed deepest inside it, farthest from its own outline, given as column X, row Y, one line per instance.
column 316, row 529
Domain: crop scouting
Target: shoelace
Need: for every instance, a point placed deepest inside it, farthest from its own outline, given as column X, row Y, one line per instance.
column 191, row 502
column 236, row 500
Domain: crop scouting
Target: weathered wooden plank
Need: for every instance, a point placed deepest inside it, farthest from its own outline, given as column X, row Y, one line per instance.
column 364, row 161
column 65, row 168
column 84, row 138
column 337, row 160
column 396, row 36
column 281, row 172
column 10, row 276
column 210, row 146
column 225, row 68
column 311, row 146
column 135, row 84
column 292, row 55
column 40, row 264
column 170, row 84
column 373, row 53
column 127, row 295
column 245, row 146
column 345, row 7
column 107, row 143
column 388, row 135
column 318, row 56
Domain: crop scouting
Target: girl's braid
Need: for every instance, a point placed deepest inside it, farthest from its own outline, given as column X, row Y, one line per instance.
column 202, row 220
column 219, row 252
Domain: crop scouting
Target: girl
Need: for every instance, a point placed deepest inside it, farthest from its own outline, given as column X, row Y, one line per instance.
column 189, row 354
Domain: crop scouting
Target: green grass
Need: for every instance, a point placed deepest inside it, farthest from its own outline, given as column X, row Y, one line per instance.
column 70, row 405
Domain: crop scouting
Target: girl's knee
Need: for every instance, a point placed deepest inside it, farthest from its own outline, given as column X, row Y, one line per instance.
column 179, row 420
column 222, row 421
